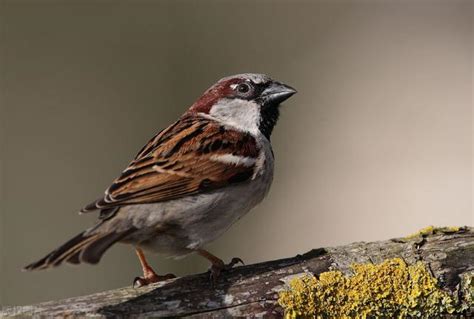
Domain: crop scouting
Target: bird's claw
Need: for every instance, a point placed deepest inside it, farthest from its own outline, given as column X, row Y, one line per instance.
column 144, row 281
column 234, row 261
column 217, row 268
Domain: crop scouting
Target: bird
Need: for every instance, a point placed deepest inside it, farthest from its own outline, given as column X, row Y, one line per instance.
column 190, row 182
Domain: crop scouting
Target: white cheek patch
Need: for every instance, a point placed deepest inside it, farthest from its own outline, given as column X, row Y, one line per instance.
column 234, row 159
column 242, row 114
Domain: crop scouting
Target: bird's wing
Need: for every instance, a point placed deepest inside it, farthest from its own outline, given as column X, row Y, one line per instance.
column 191, row 156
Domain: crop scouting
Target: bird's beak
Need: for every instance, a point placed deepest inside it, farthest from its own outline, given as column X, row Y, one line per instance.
column 277, row 93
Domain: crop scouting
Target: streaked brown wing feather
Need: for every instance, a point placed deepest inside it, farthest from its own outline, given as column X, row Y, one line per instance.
column 178, row 162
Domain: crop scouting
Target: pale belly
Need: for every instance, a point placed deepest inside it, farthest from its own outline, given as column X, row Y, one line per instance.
column 178, row 227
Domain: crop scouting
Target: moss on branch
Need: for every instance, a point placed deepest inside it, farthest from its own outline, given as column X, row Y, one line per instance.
column 431, row 230
column 388, row 289
column 391, row 289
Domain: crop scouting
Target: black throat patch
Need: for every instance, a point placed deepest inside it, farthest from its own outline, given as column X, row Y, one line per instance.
column 268, row 117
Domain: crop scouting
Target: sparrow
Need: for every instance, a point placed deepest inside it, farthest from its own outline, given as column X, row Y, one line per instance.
column 190, row 182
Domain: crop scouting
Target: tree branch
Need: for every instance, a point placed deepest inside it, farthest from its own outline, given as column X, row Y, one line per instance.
column 253, row 290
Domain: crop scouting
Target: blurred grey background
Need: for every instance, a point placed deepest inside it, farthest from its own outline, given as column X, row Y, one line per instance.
column 377, row 143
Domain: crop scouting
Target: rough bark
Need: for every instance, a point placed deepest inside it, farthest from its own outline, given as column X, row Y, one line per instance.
column 252, row 290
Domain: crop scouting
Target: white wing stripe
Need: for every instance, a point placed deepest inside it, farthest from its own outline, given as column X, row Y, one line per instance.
column 234, row 159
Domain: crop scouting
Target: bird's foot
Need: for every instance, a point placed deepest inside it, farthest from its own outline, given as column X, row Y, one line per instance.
column 150, row 278
column 149, row 275
column 219, row 266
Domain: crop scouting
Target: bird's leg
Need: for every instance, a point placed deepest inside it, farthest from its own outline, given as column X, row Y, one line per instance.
column 217, row 264
column 149, row 275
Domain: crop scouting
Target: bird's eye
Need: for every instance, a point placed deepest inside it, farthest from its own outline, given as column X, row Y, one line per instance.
column 243, row 88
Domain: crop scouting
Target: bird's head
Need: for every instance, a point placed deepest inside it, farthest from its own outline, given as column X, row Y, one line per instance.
column 246, row 101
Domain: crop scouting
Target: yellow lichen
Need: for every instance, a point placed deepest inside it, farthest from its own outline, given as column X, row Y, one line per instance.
column 430, row 230
column 391, row 289
column 467, row 289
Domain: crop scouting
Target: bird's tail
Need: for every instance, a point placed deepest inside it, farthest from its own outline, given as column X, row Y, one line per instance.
column 87, row 247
